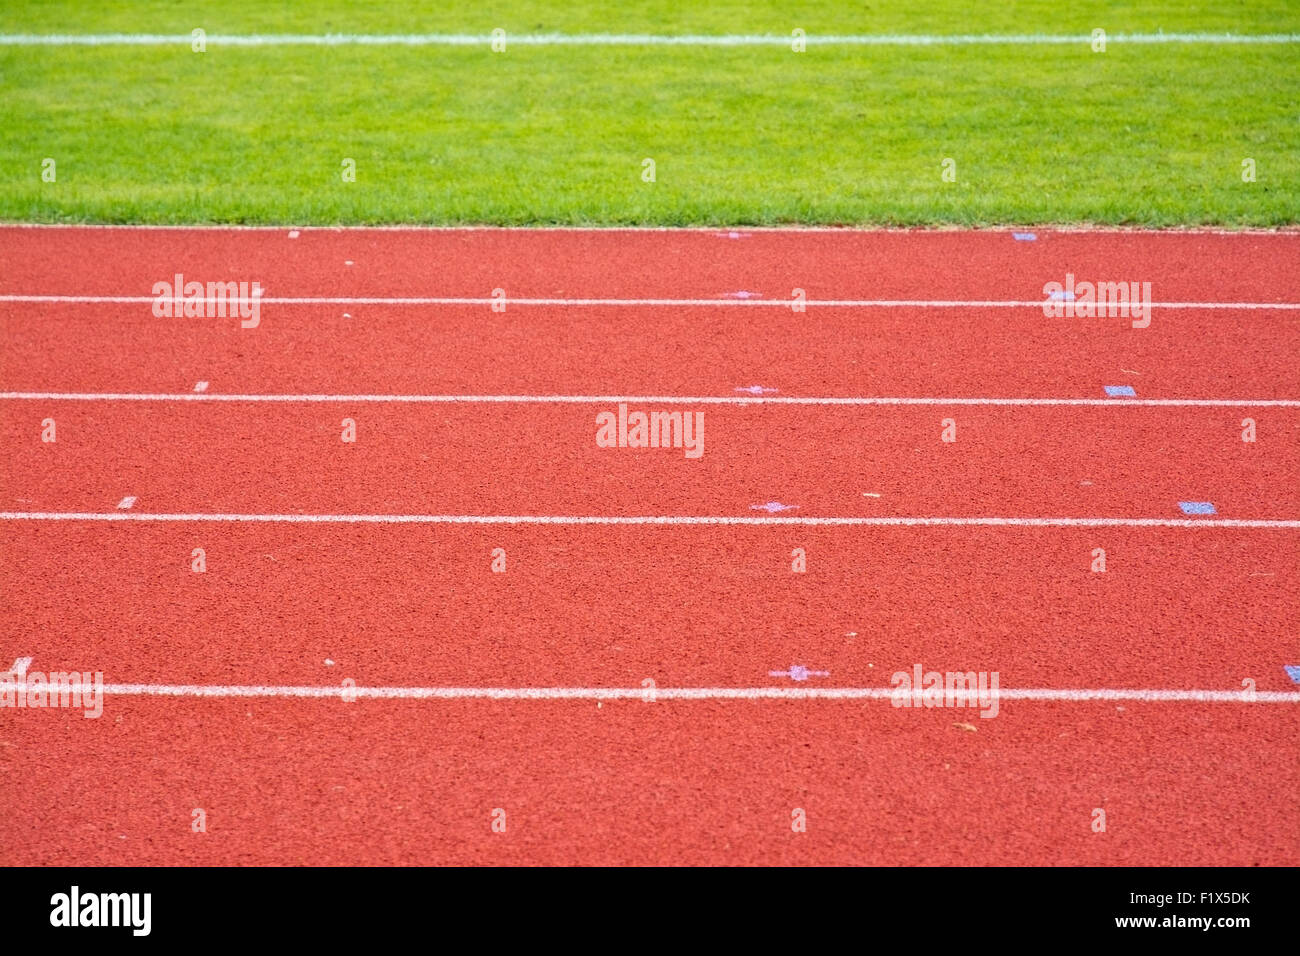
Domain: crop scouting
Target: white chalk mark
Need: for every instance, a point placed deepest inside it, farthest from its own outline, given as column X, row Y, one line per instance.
column 847, row 230
column 899, row 521
column 648, row 399
column 126, row 502
column 755, row 303
column 969, row 698
column 201, row 387
column 637, row 39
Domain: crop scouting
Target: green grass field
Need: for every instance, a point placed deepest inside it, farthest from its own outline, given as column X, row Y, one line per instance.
column 1140, row 134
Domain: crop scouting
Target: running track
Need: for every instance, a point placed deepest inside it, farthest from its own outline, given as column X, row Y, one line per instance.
column 370, row 561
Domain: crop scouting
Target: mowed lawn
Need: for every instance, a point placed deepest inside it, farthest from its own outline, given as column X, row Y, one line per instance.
column 1152, row 134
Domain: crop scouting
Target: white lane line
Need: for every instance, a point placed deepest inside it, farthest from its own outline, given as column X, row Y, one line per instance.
column 633, row 39
column 635, row 303
column 199, row 396
column 1283, row 232
column 971, row 698
column 657, row 520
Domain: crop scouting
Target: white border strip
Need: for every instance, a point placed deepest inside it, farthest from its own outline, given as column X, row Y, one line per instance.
column 641, row 399
column 656, row 520
column 677, row 303
column 971, row 698
column 630, row 39
column 1043, row 229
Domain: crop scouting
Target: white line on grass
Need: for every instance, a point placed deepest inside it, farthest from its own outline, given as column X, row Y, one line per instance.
column 656, row 520
column 971, row 698
column 748, row 303
column 632, row 39
column 641, row 399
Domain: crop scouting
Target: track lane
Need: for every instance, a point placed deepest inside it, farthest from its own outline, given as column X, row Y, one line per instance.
column 692, row 607
column 544, row 460
column 641, row 783
column 650, row 351
column 860, row 264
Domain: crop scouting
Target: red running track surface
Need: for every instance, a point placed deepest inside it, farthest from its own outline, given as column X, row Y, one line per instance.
column 299, row 780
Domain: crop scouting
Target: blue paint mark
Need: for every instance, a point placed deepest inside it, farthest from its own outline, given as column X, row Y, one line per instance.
column 1293, row 672
column 1024, row 236
column 1120, row 391
column 1064, row 296
column 1197, row 507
